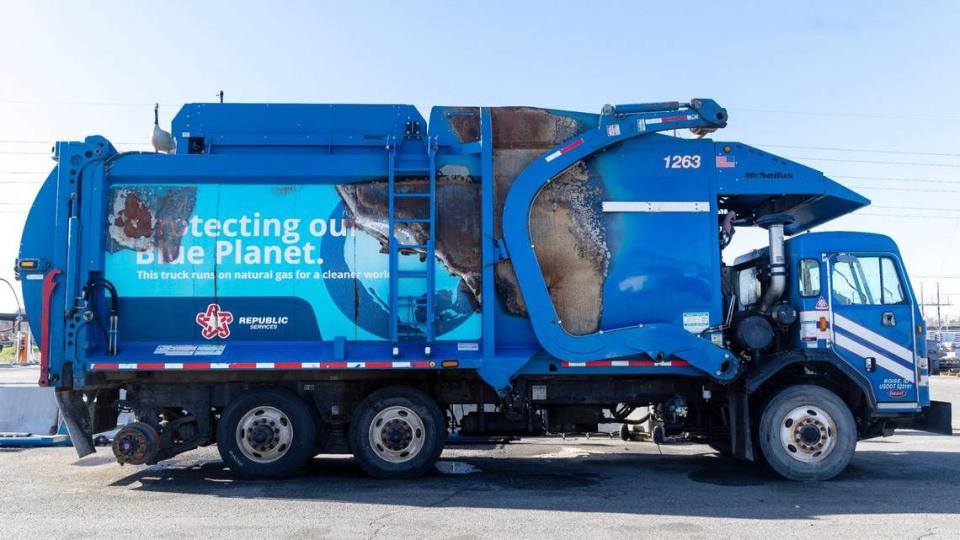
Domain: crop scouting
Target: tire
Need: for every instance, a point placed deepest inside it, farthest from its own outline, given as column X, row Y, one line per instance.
column 807, row 434
column 397, row 432
column 266, row 432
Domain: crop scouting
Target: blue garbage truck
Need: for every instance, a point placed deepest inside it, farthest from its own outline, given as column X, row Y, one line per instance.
column 287, row 280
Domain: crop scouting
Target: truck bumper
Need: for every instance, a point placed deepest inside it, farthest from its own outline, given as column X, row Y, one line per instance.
column 937, row 418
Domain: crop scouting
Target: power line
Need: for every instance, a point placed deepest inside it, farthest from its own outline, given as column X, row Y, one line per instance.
column 911, row 216
column 864, row 150
column 900, row 179
column 83, row 103
column 854, row 114
column 52, row 140
column 874, row 162
column 913, row 190
column 917, row 208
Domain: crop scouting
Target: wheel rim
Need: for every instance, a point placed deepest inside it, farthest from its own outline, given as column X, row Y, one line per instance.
column 396, row 434
column 264, row 434
column 808, row 434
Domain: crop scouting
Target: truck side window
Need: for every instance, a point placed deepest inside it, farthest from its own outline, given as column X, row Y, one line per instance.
column 892, row 288
column 867, row 281
column 809, row 277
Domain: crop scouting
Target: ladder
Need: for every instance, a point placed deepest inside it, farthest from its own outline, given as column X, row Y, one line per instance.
column 404, row 307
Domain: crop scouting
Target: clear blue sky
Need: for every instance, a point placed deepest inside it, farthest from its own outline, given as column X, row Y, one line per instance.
column 851, row 75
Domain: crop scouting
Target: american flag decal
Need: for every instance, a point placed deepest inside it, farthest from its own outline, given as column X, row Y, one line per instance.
column 726, row 162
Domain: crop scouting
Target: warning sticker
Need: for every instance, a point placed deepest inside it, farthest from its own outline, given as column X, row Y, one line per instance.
column 822, row 303
column 696, row 321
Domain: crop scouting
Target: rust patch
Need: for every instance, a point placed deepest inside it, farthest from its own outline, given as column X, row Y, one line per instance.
column 135, row 218
column 465, row 122
column 530, row 128
column 149, row 217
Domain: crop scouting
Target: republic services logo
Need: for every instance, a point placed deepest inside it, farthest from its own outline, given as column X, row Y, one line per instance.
column 215, row 322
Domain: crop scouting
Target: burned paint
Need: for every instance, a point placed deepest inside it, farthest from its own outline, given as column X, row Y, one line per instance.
column 143, row 218
column 458, row 221
column 565, row 219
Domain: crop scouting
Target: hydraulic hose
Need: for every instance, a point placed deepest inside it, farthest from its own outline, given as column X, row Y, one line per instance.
column 87, row 292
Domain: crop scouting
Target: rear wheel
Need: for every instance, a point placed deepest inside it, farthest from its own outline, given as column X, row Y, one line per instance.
column 397, row 432
column 807, row 433
column 266, row 433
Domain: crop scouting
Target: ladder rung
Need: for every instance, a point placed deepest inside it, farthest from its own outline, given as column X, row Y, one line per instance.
column 412, row 220
column 425, row 170
column 412, row 195
column 412, row 246
column 411, row 273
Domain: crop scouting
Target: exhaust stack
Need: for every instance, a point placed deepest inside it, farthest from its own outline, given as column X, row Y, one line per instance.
column 778, row 265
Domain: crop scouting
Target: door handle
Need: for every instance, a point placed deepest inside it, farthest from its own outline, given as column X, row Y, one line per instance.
column 888, row 318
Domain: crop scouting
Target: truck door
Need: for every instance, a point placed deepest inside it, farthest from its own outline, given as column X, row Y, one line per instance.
column 872, row 324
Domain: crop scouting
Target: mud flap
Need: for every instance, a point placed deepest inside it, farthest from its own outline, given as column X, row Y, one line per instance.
column 76, row 416
column 937, row 418
column 741, row 438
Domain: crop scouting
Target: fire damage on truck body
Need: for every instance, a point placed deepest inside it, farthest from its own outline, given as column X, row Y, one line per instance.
column 305, row 279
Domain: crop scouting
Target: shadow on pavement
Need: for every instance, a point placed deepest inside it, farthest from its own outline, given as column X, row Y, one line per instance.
column 877, row 482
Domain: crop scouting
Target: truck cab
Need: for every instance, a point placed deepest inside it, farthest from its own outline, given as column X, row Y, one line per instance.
column 857, row 282
column 855, row 311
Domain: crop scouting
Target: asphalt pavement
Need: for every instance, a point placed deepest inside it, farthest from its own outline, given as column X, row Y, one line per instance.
column 903, row 486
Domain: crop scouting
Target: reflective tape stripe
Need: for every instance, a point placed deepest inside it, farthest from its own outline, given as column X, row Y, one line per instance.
column 564, row 150
column 158, row 366
column 656, row 206
column 872, row 337
column 862, row 351
column 626, row 363
column 898, row 405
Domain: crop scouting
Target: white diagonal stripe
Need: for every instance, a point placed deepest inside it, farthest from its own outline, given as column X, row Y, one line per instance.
column 872, row 337
column 554, row 156
column 882, row 361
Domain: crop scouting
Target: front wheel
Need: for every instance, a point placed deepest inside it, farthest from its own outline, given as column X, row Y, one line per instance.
column 397, row 432
column 266, row 432
column 807, row 433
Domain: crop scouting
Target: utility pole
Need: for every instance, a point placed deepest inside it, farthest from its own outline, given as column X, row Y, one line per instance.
column 939, row 320
column 923, row 305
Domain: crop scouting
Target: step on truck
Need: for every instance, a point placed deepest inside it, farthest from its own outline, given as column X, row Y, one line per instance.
column 290, row 280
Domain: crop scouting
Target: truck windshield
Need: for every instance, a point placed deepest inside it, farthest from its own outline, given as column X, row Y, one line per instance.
column 867, row 280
